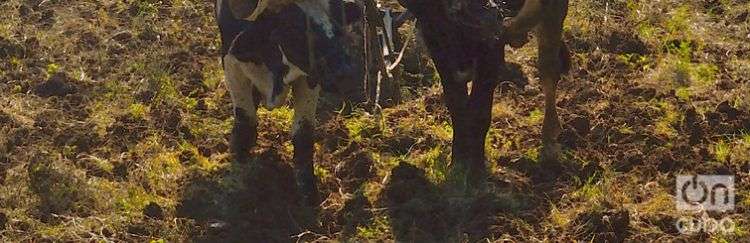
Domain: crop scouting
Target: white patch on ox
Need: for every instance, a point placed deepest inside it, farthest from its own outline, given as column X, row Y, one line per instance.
column 305, row 97
column 243, row 77
column 253, row 76
column 240, row 87
column 318, row 11
column 295, row 73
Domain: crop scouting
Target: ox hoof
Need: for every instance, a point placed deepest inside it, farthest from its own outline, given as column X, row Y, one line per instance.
column 477, row 178
column 243, row 138
column 551, row 168
column 306, row 183
column 466, row 180
column 240, row 155
column 550, row 153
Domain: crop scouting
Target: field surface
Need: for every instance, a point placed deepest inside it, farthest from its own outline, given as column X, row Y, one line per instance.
column 114, row 121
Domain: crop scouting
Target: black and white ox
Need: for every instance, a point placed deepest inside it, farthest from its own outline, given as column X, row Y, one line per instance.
column 297, row 48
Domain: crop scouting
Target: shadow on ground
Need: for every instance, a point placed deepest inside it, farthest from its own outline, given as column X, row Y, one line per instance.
column 421, row 211
column 262, row 204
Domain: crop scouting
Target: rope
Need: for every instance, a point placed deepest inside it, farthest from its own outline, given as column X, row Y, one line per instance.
column 366, row 51
column 400, row 56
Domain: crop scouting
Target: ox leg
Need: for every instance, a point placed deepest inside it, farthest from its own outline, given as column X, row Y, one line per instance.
column 305, row 105
column 244, row 132
column 480, row 106
column 550, row 68
column 462, row 156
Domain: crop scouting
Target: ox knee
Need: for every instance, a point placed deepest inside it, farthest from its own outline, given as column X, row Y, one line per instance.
column 550, row 69
column 550, row 64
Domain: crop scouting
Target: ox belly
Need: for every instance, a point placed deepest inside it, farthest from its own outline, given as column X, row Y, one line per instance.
column 261, row 80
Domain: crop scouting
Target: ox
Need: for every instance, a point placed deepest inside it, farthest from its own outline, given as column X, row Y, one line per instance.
column 466, row 40
column 297, row 48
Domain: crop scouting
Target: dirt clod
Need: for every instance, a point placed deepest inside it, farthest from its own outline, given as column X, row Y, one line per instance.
column 582, row 125
column 9, row 49
column 120, row 170
column 167, row 118
column 713, row 118
column 694, row 122
column 57, row 85
column 4, row 165
column 356, row 170
column 728, row 110
column 154, row 211
column 607, row 226
column 127, row 129
column 645, row 93
column 3, row 220
column 138, row 229
column 82, row 138
column 569, row 138
column 590, row 171
column 666, row 160
column 630, row 161
column 6, row 119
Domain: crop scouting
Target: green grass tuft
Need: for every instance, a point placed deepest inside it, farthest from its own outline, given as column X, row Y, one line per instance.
column 722, row 151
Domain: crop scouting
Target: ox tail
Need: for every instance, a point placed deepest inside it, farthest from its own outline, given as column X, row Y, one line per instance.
column 565, row 58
